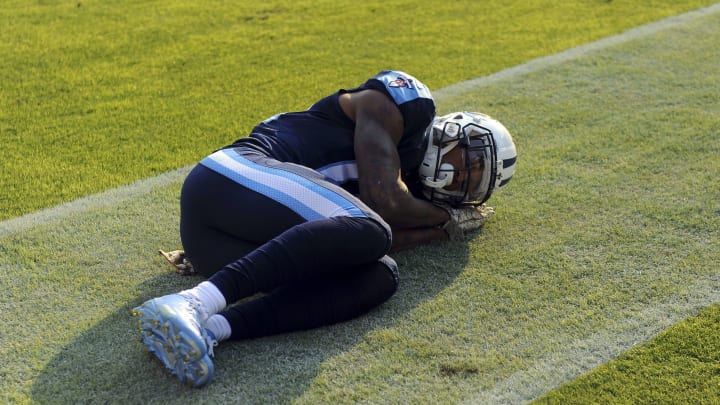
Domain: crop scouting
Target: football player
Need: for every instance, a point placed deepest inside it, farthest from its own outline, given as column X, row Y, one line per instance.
column 301, row 215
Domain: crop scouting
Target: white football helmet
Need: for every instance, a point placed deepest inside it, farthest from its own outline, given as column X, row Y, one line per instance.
column 489, row 158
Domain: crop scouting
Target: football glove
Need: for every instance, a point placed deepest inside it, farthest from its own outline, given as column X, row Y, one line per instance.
column 179, row 262
column 464, row 220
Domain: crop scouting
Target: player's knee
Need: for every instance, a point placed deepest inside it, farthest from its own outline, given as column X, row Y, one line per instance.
column 391, row 275
column 374, row 237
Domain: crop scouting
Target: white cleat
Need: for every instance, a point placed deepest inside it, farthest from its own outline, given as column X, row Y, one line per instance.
column 171, row 328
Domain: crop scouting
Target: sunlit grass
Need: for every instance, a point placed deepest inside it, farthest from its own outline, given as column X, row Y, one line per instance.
column 96, row 94
column 613, row 211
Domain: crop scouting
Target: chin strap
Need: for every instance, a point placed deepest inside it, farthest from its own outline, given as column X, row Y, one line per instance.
column 448, row 170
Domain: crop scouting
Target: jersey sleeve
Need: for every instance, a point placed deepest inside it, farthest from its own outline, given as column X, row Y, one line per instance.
column 417, row 107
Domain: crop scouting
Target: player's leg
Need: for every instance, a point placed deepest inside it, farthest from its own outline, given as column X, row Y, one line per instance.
column 311, row 303
column 336, row 233
column 221, row 220
column 309, row 250
column 311, row 226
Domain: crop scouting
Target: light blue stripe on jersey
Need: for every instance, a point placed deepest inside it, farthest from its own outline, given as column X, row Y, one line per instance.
column 403, row 87
column 309, row 200
column 340, row 172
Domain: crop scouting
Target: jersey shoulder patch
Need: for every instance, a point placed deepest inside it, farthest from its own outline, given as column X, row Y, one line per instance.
column 403, row 87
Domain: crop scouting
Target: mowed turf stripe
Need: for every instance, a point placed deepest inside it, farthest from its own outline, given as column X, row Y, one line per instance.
column 583, row 355
column 696, row 292
column 119, row 194
column 132, row 257
column 574, row 53
column 107, row 198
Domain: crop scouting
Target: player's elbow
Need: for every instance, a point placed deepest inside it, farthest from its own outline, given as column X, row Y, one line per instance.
column 390, row 209
column 389, row 201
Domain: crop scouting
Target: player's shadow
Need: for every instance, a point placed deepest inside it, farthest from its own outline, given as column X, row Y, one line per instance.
column 108, row 364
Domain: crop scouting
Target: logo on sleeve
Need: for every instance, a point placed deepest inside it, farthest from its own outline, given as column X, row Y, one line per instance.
column 401, row 81
column 402, row 86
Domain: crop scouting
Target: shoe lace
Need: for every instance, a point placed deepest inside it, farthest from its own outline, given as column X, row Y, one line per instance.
column 203, row 315
column 210, row 341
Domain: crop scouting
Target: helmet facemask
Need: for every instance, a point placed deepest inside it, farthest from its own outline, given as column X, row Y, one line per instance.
column 472, row 182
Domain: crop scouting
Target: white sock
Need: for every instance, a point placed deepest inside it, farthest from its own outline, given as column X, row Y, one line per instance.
column 209, row 296
column 219, row 326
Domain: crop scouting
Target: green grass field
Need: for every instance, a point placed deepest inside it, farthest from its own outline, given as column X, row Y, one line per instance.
column 596, row 282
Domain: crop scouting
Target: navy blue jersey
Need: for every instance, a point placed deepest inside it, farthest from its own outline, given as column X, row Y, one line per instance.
column 321, row 137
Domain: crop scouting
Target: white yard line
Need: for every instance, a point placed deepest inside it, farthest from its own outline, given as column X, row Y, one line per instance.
column 119, row 194
column 575, row 53
column 105, row 199
column 582, row 355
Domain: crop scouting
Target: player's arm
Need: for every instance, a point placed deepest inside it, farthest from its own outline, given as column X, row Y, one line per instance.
column 404, row 239
column 378, row 129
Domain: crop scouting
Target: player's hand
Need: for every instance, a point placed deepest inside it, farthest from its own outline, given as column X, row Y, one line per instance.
column 464, row 220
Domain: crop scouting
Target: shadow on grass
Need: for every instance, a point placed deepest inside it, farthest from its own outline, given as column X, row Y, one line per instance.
column 108, row 364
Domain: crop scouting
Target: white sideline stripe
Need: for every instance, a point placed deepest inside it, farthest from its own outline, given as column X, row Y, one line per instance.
column 581, row 356
column 122, row 193
column 574, row 53
column 105, row 199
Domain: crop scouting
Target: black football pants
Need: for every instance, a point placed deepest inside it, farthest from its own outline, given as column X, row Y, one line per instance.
column 312, row 265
